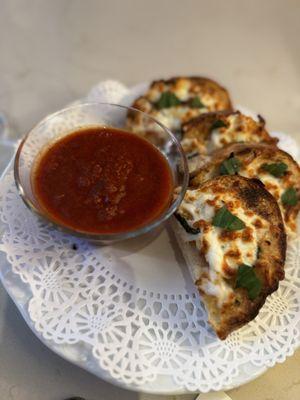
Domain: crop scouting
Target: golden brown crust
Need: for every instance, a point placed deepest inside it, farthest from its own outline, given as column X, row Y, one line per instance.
column 212, row 95
column 269, row 267
column 252, row 156
column 200, row 128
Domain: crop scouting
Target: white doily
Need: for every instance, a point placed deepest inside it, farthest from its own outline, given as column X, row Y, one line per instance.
column 130, row 311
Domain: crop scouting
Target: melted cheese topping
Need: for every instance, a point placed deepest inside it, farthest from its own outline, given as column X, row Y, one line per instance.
column 275, row 185
column 223, row 251
column 184, row 89
column 237, row 131
column 174, row 116
column 217, row 288
column 191, row 145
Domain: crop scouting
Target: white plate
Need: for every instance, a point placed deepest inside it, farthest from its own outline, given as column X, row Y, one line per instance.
column 130, row 313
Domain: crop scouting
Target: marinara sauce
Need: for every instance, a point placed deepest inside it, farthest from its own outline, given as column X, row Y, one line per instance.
column 102, row 180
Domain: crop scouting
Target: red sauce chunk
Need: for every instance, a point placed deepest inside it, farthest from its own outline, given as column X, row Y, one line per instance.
column 102, row 180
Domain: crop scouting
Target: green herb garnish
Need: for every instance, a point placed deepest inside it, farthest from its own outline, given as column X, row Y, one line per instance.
column 186, row 226
column 289, row 197
column 230, row 166
column 167, row 100
column 275, row 169
column 247, row 279
column 196, row 103
column 218, row 124
column 226, row 220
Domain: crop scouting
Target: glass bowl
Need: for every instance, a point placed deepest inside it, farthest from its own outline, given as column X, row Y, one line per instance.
column 68, row 120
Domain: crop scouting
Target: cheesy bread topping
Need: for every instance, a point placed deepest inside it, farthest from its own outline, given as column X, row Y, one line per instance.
column 224, row 251
column 217, row 130
column 258, row 161
column 175, row 101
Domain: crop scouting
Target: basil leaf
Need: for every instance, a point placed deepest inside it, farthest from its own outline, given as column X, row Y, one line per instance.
column 186, row 226
column 225, row 219
column 196, row 103
column 247, row 279
column 167, row 100
column 230, row 166
column 218, row 124
column 275, row 169
column 289, row 197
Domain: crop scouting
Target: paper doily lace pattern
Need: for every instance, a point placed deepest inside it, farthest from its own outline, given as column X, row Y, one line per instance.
column 137, row 317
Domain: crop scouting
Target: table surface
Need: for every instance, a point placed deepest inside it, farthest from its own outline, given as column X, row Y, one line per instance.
column 52, row 52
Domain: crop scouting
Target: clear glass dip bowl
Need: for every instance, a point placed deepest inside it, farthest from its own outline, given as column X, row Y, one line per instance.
column 68, row 120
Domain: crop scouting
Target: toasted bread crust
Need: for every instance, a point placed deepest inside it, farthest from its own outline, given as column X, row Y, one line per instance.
column 200, row 128
column 269, row 267
column 251, row 153
column 213, row 96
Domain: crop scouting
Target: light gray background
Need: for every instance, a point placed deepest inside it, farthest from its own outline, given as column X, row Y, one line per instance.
column 52, row 52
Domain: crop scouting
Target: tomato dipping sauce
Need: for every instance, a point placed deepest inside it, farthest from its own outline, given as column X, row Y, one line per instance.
column 102, row 180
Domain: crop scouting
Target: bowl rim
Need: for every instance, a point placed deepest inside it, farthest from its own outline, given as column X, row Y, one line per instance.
column 102, row 236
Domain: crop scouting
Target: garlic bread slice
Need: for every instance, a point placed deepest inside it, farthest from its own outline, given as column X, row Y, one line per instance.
column 275, row 168
column 177, row 100
column 237, row 228
column 212, row 131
